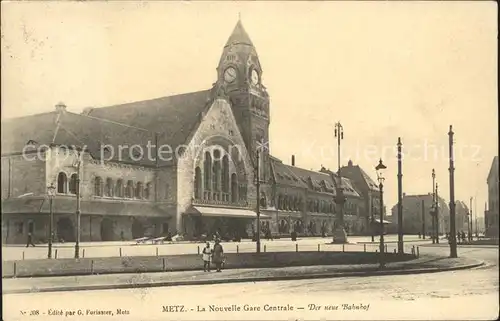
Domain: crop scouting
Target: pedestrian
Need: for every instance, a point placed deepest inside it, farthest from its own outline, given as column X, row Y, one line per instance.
column 30, row 240
column 218, row 255
column 122, row 236
column 206, row 254
column 419, row 235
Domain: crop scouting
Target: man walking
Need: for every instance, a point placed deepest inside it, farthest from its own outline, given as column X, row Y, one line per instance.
column 30, row 240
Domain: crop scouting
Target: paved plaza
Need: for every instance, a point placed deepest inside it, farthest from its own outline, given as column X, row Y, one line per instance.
column 129, row 248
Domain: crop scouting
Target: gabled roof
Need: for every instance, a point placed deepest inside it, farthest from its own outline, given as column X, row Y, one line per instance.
column 173, row 117
column 357, row 171
column 16, row 132
column 239, row 36
column 493, row 168
column 70, row 129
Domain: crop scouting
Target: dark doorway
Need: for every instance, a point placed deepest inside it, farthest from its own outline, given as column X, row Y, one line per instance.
column 165, row 228
column 31, row 227
column 65, row 230
column 107, row 230
column 137, row 229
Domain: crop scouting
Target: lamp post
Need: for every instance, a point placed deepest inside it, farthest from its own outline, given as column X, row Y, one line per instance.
column 78, row 214
column 400, row 200
column 453, row 241
column 257, row 183
column 51, row 191
column 380, row 177
column 437, row 214
column 339, row 234
column 433, row 207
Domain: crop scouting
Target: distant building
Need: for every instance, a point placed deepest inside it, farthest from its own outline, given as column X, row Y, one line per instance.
column 491, row 214
column 461, row 217
column 369, row 190
column 413, row 217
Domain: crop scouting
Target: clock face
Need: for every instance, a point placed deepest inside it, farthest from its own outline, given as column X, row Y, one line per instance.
column 230, row 74
column 255, row 77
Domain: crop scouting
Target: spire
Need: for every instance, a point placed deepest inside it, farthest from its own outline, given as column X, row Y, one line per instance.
column 239, row 35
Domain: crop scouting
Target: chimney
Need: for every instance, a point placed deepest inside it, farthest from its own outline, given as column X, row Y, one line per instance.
column 293, row 160
column 349, row 163
column 61, row 107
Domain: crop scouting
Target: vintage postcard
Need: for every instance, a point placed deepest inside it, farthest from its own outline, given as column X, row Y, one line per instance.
column 198, row 160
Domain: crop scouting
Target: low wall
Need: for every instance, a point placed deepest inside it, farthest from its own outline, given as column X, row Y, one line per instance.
column 87, row 266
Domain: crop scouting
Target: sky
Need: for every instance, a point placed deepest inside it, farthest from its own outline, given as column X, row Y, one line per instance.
column 383, row 69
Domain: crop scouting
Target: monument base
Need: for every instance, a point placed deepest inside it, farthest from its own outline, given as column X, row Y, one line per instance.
column 339, row 236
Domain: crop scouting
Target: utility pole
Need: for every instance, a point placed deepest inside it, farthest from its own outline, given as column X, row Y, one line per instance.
column 400, row 200
column 453, row 243
column 433, row 208
column 423, row 219
column 257, row 174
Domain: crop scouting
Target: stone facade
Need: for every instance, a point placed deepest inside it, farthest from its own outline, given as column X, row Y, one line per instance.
column 491, row 213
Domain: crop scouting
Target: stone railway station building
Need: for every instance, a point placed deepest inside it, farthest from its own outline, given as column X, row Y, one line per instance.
column 191, row 169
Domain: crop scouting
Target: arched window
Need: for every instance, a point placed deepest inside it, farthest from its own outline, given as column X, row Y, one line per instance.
column 139, row 189
column 109, row 187
column 234, row 188
column 98, row 186
column 217, row 171
column 225, row 174
column 72, row 184
column 207, row 169
column 129, row 191
column 147, row 191
column 119, row 188
column 62, row 181
column 280, row 205
column 197, row 183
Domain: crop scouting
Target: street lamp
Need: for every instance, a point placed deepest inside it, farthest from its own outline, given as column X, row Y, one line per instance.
column 77, row 164
column 339, row 234
column 257, row 183
column 380, row 168
column 51, row 192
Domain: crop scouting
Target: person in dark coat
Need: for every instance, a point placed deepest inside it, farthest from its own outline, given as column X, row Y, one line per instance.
column 30, row 240
column 218, row 255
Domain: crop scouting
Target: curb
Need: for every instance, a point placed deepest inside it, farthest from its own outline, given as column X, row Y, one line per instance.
column 249, row 279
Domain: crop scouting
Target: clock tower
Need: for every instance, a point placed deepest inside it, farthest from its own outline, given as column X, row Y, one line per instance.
column 239, row 77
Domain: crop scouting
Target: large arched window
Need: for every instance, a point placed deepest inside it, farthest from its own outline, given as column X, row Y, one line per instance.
column 207, row 170
column 139, row 189
column 72, row 184
column 197, row 183
column 225, row 174
column 234, row 188
column 62, row 182
column 119, row 188
column 217, row 171
column 98, row 186
column 129, row 191
column 109, row 187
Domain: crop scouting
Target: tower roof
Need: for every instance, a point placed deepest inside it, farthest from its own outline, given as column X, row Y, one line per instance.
column 239, row 36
